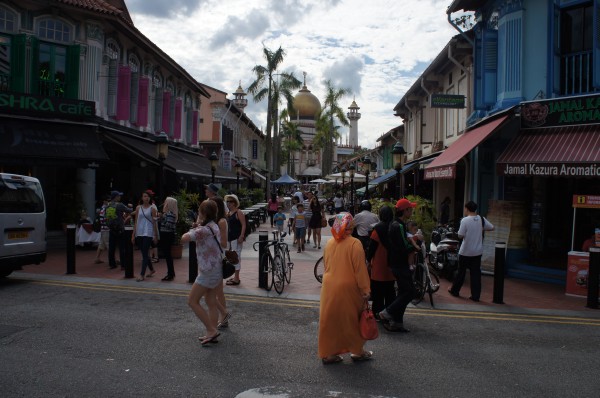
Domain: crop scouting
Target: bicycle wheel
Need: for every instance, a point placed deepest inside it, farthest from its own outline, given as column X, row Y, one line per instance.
column 319, row 270
column 278, row 274
column 289, row 265
column 419, row 280
column 267, row 264
column 434, row 281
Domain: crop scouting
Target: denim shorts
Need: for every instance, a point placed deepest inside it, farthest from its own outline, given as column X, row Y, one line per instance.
column 300, row 232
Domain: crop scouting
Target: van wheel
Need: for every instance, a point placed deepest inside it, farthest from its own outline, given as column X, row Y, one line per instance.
column 5, row 272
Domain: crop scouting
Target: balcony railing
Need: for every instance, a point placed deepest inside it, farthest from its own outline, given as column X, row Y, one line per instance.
column 51, row 88
column 4, row 82
column 576, row 73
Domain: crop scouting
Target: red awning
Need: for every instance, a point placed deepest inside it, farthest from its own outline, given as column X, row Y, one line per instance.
column 572, row 151
column 444, row 166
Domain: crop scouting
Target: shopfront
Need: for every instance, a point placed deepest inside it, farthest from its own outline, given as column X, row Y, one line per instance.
column 555, row 156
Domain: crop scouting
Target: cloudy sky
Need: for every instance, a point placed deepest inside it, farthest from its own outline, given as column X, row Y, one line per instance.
column 375, row 48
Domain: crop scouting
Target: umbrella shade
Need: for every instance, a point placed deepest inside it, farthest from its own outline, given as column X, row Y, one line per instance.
column 285, row 179
column 319, row 181
column 338, row 176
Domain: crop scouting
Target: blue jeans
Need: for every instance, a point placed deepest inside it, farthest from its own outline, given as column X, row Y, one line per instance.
column 144, row 243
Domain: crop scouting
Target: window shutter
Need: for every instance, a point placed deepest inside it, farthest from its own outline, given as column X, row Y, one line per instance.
column 177, row 119
column 158, row 109
column 554, row 81
column 166, row 113
column 189, row 119
column 72, row 70
column 123, row 92
column 596, row 55
column 35, row 68
column 194, row 140
column 17, row 63
column 112, row 88
column 489, row 66
column 133, row 108
column 142, row 110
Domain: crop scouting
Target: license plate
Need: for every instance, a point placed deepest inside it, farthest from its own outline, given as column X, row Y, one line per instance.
column 452, row 256
column 18, row 235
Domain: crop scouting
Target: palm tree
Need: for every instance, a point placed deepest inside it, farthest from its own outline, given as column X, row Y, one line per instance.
column 282, row 94
column 326, row 122
column 293, row 140
column 263, row 87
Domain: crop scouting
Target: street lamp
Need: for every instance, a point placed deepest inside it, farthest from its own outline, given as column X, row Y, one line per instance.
column 351, row 171
column 367, row 171
column 238, row 171
column 162, row 152
column 398, row 153
column 214, row 159
column 343, row 171
column 251, row 182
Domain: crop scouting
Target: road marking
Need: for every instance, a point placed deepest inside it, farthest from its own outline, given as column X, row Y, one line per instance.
column 492, row 316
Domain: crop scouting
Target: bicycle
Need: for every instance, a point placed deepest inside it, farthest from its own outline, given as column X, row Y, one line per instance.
column 274, row 264
column 319, row 270
column 424, row 279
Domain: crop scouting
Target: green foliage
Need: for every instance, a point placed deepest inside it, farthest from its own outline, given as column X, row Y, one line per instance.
column 422, row 215
column 186, row 201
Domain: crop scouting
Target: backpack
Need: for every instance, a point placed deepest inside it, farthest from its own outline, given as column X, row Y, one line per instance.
column 112, row 220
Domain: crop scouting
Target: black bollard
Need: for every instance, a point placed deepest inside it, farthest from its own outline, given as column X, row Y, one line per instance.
column 127, row 234
column 499, row 266
column 192, row 263
column 593, row 278
column 263, row 278
column 71, row 228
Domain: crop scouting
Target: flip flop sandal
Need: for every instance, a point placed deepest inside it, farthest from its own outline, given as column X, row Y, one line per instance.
column 208, row 340
column 366, row 355
column 334, row 359
column 201, row 338
column 231, row 282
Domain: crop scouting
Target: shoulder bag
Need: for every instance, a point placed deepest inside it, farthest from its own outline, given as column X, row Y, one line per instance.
column 228, row 267
column 368, row 324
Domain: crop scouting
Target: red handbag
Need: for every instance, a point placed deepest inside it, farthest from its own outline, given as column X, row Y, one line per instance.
column 368, row 324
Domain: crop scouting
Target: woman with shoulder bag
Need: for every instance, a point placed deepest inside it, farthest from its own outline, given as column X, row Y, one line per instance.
column 236, row 221
column 224, row 315
column 315, row 221
column 168, row 221
column 145, row 232
column 210, row 270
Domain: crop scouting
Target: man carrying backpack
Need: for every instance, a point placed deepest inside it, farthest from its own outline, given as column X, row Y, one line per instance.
column 114, row 219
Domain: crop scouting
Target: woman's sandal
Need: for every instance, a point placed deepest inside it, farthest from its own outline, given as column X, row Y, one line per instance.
column 152, row 272
column 332, row 359
column 232, row 282
column 366, row 355
column 225, row 322
column 205, row 340
column 140, row 278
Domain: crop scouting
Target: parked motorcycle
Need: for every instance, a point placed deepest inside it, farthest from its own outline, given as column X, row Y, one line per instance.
column 443, row 251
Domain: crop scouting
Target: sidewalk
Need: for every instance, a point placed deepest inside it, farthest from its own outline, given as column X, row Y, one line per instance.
column 519, row 295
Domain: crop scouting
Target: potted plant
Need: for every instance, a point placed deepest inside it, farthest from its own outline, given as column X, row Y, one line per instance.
column 186, row 202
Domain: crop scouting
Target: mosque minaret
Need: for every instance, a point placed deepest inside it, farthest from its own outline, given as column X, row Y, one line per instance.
column 353, row 117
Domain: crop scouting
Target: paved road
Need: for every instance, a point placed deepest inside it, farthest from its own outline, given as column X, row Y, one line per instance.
column 71, row 339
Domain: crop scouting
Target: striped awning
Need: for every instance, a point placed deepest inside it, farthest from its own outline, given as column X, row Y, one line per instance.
column 572, row 151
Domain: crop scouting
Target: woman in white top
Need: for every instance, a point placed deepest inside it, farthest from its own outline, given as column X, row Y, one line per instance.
column 223, row 229
column 145, row 232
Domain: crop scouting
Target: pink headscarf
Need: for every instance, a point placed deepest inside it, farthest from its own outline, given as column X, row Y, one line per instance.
column 342, row 226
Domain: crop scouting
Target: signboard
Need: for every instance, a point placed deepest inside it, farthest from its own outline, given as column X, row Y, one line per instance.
column 254, row 149
column 549, row 170
column 441, row 173
column 447, row 101
column 586, row 201
column 17, row 103
column 561, row 112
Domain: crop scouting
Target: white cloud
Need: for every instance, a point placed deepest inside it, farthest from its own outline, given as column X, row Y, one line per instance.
column 376, row 48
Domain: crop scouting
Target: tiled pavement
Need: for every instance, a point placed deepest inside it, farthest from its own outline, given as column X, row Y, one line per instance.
column 519, row 295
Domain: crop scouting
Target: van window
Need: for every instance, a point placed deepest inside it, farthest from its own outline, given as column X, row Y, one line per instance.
column 20, row 196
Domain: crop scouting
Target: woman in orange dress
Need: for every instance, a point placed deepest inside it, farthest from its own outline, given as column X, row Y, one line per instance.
column 343, row 294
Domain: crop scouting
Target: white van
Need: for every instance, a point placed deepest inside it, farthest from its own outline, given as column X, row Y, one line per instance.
column 22, row 222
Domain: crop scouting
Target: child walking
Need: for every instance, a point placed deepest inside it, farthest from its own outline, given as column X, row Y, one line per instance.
column 279, row 219
column 300, row 226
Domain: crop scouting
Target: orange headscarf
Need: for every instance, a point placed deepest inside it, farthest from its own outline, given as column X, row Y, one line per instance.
column 342, row 226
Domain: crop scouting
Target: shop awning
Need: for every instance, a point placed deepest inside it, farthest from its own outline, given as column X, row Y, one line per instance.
column 21, row 139
column 179, row 161
column 572, row 151
column 444, row 166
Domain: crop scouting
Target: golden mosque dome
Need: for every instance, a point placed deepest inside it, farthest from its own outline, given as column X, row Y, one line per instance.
column 306, row 104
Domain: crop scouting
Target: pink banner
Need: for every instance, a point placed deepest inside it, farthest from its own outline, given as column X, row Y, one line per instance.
column 177, row 122
column 123, row 93
column 142, row 111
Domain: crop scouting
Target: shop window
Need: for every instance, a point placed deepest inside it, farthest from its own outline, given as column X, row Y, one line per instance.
column 5, row 63
column 7, row 20
column 112, row 52
column 55, row 30
column 52, row 70
column 576, row 49
column 134, row 65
